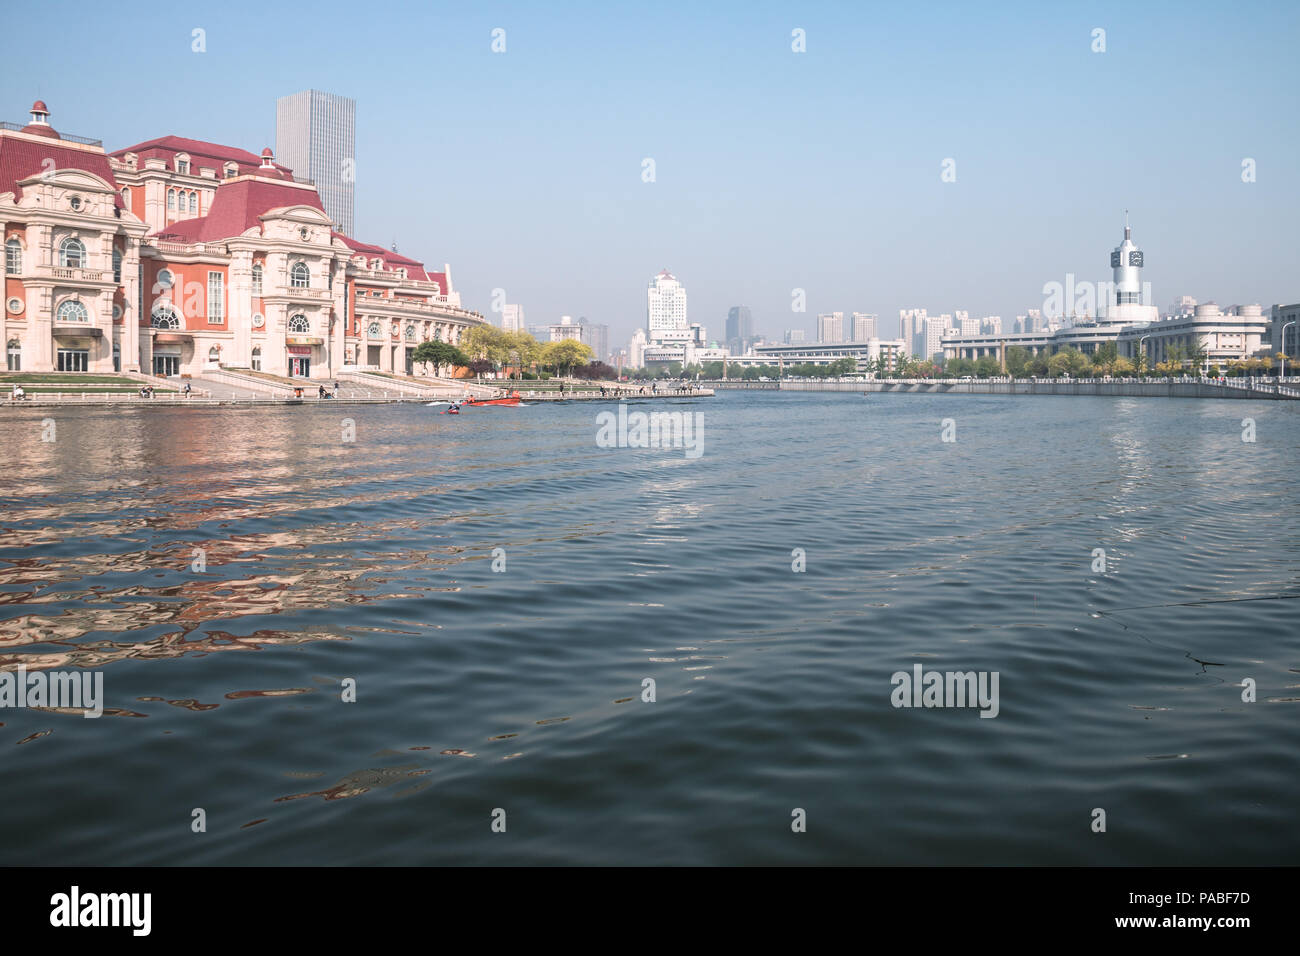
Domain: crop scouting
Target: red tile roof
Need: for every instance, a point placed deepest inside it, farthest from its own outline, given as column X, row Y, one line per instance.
column 21, row 158
column 237, row 207
column 166, row 148
column 392, row 260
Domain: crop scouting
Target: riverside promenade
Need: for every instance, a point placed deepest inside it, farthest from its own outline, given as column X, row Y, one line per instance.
column 210, row 393
column 1246, row 388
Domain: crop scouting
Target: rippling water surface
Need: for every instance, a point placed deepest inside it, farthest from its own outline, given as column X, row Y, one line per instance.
column 521, row 689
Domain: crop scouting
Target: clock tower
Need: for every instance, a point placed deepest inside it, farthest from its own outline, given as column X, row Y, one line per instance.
column 1126, row 263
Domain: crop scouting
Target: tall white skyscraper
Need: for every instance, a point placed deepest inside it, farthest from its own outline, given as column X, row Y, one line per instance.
column 666, row 311
column 864, row 326
column 315, row 135
column 931, row 338
column 991, row 325
column 830, row 327
column 967, row 325
column 512, row 318
column 636, row 349
column 911, row 327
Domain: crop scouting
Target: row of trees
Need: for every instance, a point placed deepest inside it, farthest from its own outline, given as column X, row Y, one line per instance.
column 485, row 348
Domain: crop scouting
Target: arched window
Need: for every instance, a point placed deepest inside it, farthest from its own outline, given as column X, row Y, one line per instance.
column 194, row 202
column 171, row 200
column 164, row 318
column 257, row 280
column 117, row 267
column 15, row 355
column 299, row 275
column 214, row 354
column 410, row 333
column 13, row 257
column 373, row 330
column 257, row 360
column 72, row 311
column 72, row 254
column 437, row 333
column 299, row 324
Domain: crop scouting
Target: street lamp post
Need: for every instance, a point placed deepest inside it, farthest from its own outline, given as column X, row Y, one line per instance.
column 1141, row 348
column 1284, row 328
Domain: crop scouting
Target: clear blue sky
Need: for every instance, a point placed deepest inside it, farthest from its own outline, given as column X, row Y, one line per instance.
column 775, row 170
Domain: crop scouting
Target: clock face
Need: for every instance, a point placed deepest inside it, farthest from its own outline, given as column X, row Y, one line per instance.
column 1114, row 260
column 1135, row 258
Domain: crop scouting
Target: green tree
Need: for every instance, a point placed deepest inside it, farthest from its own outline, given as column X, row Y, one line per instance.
column 565, row 354
column 1018, row 358
column 1105, row 354
column 439, row 355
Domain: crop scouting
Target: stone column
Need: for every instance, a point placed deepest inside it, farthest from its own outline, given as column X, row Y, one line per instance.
column 239, row 310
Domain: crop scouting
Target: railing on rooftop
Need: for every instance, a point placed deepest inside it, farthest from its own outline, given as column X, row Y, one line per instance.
column 83, row 140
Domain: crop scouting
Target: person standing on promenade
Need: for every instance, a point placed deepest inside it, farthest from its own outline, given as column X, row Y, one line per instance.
column 187, row 390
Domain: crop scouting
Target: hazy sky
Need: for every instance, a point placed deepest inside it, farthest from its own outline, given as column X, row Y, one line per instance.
column 775, row 170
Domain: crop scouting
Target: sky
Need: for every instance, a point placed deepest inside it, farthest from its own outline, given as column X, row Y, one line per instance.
column 774, row 170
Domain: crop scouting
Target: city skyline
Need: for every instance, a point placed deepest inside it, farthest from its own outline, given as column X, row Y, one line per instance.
column 868, row 223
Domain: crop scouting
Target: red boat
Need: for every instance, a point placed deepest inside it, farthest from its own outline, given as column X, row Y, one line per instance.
column 512, row 399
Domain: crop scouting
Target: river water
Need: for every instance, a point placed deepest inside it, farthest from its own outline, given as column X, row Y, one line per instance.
column 495, row 589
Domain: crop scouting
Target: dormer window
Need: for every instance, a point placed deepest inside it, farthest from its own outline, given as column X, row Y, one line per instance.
column 183, row 165
column 232, row 169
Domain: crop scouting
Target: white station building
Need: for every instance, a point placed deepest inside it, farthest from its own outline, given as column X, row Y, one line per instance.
column 1129, row 322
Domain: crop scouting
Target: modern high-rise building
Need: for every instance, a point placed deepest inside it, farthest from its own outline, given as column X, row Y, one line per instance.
column 564, row 329
column 931, row 338
column 315, row 136
column 911, row 326
column 668, row 334
column 966, row 324
column 830, row 327
column 794, row 336
column 636, row 349
column 596, row 335
column 864, row 326
column 512, row 318
column 740, row 329
column 991, row 325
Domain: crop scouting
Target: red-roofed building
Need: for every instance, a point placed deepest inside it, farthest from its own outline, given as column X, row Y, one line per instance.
column 71, row 254
column 177, row 256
